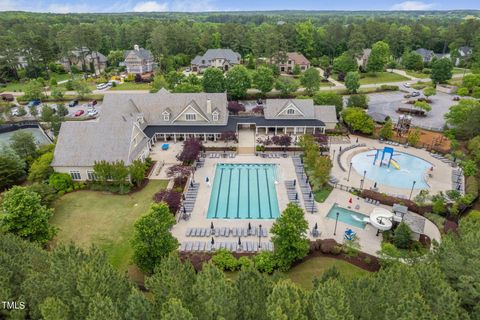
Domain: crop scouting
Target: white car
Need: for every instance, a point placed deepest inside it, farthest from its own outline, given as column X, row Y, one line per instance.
column 102, row 86
column 407, row 84
column 15, row 112
column 92, row 112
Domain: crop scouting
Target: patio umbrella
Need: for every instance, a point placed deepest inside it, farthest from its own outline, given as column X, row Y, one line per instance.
column 296, row 195
column 375, row 185
column 316, row 226
column 356, row 141
column 350, row 201
column 239, row 241
column 213, row 241
column 294, row 182
column 206, row 180
column 310, row 195
column 211, row 225
column 184, row 209
column 249, row 226
column 183, row 197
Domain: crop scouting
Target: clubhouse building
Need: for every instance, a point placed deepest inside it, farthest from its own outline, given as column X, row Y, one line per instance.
column 130, row 124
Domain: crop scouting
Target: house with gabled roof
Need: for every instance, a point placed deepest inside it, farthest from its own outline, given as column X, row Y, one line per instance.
column 293, row 59
column 139, row 60
column 129, row 125
column 84, row 59
column 223, row 59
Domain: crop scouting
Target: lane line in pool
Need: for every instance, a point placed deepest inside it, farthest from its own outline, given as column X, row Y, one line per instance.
column 228, row 192
column 268, row 193
column 248, row 192
column 238, row 192
column 218, row 191
column 258, row 196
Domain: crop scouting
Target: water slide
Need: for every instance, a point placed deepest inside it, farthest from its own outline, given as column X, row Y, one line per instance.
column 395, row 164
column 380, row 218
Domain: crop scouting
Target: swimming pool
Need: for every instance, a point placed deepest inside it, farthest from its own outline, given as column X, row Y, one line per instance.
column 37, row 135
column 411, row 169
column 244, row 191
column 347, row 216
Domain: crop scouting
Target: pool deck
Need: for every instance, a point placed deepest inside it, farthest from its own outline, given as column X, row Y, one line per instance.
column 368, row 240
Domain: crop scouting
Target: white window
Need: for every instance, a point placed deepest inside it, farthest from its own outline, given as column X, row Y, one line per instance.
column 290, row 111
column 91, row 175
column 75, row 175
column 215, row 116
column 190, row 116
column 166, row 117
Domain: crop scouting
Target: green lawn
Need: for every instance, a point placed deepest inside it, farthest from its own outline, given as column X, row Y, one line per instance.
column 460, row 70
column 381, row 77
column 132, row 86
column 13, row 87
column 417, row 74
column 103, row 219
column 304, row 273
column 322, row 195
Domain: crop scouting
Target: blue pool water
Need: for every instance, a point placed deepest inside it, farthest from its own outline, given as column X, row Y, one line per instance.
column 346, row 216
column 411, row 169
column 244, row 191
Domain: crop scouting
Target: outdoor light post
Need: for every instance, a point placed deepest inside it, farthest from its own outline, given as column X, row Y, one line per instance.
column 411, row 191
column 336, row 221
column 259, row 235
column 363, row 180
column 333, row 154
column 349, row 170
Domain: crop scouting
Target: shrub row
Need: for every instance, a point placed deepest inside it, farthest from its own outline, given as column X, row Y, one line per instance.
column 389, row 201
column 471, row 186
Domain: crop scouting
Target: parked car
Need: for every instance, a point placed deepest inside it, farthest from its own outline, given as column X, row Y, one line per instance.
column 73, row 103
column 15, row 112
column 93, row 102
column 7, row 97
column 92, row 112
column 34, row 103
column 415, row 94
column 456, row 98
column 102, row 86
column 407, row 84
column 407, row 96
column 79, row 113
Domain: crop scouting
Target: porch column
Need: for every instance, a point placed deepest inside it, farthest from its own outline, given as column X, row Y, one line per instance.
column 175, row 137
column 256, row 130
column 184, row 136
column 284, row 130
column 314, row 130
column 215, row 137
column 165, row 137
column 275, row 130
column 294, row 130
column 266, row 130
column 205, row 137
column 304, row 129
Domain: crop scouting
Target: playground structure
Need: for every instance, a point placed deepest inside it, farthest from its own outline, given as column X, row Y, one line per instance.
column 391, row 161
column 403, row 124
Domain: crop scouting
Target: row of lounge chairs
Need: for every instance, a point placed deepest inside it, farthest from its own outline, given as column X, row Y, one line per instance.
column 396, row 144
column 247, row 246
column 200, row 163
column 443, row 159
column 226, row 232
column 457, row 180
column 308, row 199
column 371, row 201
column 271, row 155
column 224, row 155
column 292, row 193
column 190, row 198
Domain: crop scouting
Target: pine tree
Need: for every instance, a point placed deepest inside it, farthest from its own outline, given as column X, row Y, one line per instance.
column 173, row 310
column 286, row 302
column 216, row 297
column 253, row 287
column 329, row 301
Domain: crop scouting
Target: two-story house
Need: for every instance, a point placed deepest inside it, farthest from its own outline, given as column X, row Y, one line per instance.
column 84, row 59
column 139, row 60
column 223, row 59
column 293, row 59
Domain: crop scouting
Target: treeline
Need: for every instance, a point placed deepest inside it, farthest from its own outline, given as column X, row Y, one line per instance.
column 72, row 283
column 175, row 39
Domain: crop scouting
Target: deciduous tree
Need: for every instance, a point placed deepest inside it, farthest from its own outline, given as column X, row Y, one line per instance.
column 352, row 82
column 311, row 80
column 237, row 82
column 213, row 80
column 263, row 79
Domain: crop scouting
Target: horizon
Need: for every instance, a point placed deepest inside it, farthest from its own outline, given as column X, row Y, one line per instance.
column 229, row 6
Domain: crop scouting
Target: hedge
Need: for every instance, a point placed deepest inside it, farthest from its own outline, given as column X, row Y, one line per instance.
column 389, row 201
column 471, row 186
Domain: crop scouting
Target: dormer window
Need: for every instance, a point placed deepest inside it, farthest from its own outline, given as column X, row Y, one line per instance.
column 140, row 119
column 290, row 111
column 166, row 116
column 215, row 116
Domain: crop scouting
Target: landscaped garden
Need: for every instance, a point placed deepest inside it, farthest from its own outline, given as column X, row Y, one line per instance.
column 106, row 220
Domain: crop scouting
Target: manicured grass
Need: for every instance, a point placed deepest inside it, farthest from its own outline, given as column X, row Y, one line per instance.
column 417, row 74
column 132, row 86
column 304, row 273
column 322, row 195
column 460, row 70
column 13, row 87
column 381, row 77
column 103, row 219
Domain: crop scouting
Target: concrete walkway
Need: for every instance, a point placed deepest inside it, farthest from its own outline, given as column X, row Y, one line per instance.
column 246, row 141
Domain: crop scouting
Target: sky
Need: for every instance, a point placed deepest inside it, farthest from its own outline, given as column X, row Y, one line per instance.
column 67, row 6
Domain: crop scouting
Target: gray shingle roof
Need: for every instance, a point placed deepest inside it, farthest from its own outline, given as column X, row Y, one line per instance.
column 327, row 114
column 274, row 106
column 229, row 55
column 141, row 53
column 425, row 53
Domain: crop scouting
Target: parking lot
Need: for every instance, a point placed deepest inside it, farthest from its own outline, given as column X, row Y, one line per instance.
column 83, row 105
column 388, row 102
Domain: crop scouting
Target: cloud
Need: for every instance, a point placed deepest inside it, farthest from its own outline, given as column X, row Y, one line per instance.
column 8, row 5
column 68, row 8
column 193, row 5
column 412, row 5
column 150, row 6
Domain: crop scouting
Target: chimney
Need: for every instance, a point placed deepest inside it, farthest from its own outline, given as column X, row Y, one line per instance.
column 209, row 106
column 136, row 47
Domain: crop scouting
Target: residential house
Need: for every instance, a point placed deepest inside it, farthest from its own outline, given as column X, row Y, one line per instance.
column 362, row 58
column 84, row 59
column 427, row 55
column 463, row 54
column 130, row 124
column 139, row 60
column 223, row 59
column 293, row 59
